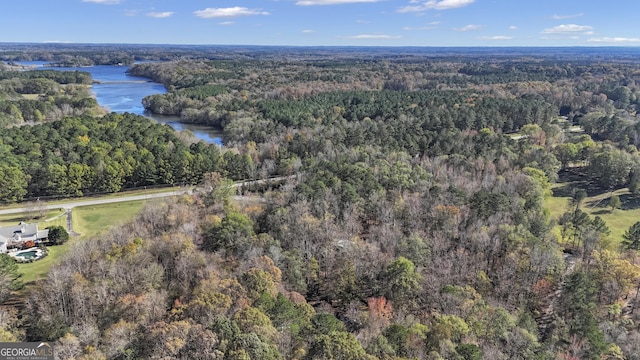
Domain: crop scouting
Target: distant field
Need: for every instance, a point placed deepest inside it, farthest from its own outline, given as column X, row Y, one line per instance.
column 31, row 96
column 618, row 220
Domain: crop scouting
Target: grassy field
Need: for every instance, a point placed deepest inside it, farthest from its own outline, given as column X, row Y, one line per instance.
column 31, row 96
column 557, row 205
column 618, row 220
column 91, row 220
column 38, row 270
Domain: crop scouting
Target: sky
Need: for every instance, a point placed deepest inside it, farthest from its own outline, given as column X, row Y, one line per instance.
column 325, row 22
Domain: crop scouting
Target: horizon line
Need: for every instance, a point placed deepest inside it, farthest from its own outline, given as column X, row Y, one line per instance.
column 62, row 43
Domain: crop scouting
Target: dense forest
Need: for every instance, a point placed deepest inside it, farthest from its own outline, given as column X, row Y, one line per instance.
column 75, row 156
column 413, row 225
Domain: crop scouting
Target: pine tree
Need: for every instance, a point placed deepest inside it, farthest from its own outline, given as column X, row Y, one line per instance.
column 631, row 237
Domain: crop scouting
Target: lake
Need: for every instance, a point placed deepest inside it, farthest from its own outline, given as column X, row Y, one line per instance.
column 119, row 92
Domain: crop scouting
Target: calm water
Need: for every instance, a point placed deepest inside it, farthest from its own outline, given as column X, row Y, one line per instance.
column 121, row 93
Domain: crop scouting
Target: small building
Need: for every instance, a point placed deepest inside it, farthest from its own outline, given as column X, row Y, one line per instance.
column 20, row 233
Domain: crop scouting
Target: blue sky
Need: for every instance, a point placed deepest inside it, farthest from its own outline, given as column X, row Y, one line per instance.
column 325, row 22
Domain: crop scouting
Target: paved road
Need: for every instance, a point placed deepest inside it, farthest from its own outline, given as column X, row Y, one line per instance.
column 86, row 202
column 97, row 201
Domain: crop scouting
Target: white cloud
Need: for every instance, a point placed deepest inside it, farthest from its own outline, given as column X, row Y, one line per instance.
column 374, row 37
column 227, row 23
column 363, row 21
column 497, row 37
column 164, row 14
column 131, row 12
column 564, row 17
column 569, row 29
column 308, row 31
column 513, row 27
column 435, row 5
column 332, row 2
column 448, row 4
column 470, row 27
column 617, row 40
column 228, row 12
column 105, row 2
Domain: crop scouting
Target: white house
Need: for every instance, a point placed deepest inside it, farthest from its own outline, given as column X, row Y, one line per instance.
column 20, row 233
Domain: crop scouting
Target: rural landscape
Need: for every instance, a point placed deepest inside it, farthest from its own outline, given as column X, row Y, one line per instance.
column 361, row 203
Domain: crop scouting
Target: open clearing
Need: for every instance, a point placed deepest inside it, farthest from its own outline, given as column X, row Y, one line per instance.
column 618, row 220
column 91, row 220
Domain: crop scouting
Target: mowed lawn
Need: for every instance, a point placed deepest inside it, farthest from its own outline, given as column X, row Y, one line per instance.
column 618, row 220
column 91, row 220
column 88, row 221
column 38, row 270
